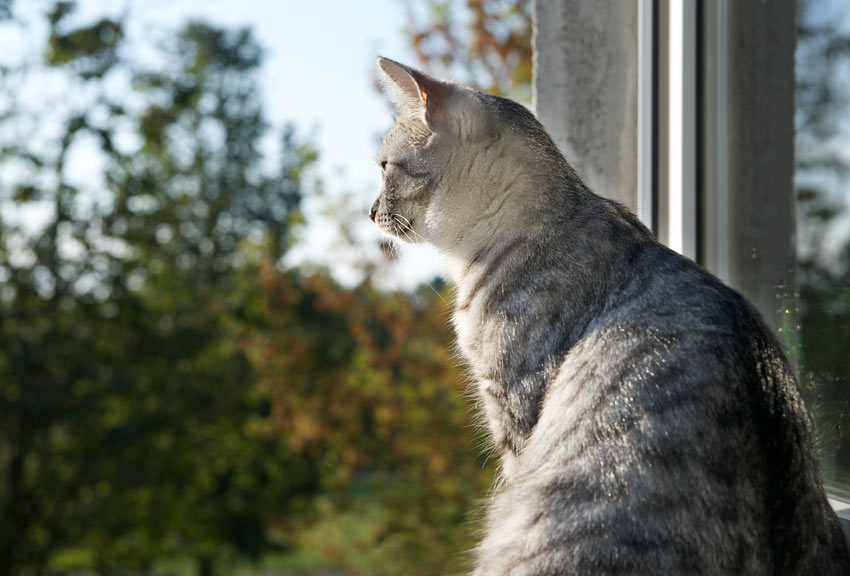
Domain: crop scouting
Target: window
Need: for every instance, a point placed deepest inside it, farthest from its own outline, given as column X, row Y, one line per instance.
column 755, row 163
column 822, row 184
column 740, row 163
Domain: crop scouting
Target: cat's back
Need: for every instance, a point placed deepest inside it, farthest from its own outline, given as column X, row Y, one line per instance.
column 671, row 440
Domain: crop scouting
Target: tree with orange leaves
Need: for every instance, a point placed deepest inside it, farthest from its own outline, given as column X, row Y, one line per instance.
column 487, row 40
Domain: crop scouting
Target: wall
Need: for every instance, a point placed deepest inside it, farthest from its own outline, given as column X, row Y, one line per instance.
column 585, row 89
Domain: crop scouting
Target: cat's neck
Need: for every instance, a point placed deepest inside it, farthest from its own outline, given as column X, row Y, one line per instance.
column 513, row 342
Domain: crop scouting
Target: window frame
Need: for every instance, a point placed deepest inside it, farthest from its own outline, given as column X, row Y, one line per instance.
column 684, row 178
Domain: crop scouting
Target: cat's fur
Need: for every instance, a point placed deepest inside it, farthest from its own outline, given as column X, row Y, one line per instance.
column 646, row 419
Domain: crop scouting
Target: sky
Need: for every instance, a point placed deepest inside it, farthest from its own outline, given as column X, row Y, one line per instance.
column 318, row 74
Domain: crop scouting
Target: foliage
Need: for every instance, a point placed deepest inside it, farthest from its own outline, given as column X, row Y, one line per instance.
column 6, row 9
column 488, row 40
column 92, row 49
column 823, row 95
column 363, row 384
column 168, row 393
column 129, row 429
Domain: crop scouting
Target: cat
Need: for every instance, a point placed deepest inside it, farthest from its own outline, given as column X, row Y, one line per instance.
column 646, row 419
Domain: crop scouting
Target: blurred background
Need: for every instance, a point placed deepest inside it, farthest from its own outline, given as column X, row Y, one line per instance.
column 209, row 362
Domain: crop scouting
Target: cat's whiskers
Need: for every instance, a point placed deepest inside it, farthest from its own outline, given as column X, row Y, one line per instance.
column 393, row 250
column 409, row 226
column 405, row 228
column 402, row 226
column 403, row 221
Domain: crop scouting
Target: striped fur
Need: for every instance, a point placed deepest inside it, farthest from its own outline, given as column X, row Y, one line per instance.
column 646, row 419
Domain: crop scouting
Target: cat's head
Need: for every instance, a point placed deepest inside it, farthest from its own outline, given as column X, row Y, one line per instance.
column 445, row 156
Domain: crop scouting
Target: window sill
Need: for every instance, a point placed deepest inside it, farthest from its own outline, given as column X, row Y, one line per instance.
column 842, row 509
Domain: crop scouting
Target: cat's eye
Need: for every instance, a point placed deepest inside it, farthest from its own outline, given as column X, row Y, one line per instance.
column 384, row 165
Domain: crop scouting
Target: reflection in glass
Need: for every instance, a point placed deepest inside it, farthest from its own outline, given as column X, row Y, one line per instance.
column 822, row 183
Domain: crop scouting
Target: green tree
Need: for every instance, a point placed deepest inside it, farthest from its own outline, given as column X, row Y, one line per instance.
column 129, row 408
column 364, row 385
column 167, row 391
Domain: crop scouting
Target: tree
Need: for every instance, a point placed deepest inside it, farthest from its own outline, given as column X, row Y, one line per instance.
column 823, row 96
column 167, row 389
column 128, row 405
column 364, row 385
column 489, row 41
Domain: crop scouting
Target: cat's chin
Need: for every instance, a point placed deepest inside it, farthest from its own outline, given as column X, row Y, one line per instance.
column 405, row 236
column 405, row 239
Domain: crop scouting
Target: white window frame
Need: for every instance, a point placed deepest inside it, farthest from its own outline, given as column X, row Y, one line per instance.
column 682, row 128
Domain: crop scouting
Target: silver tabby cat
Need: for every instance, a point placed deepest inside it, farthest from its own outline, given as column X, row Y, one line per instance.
column 646, row 419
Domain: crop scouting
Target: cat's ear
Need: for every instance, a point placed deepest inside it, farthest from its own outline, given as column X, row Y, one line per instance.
column 411, row 90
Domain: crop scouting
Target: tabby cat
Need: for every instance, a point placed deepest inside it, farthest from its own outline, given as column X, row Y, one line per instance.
column 646, row 419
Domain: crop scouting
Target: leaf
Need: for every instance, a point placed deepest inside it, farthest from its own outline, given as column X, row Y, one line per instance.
column 26, row 193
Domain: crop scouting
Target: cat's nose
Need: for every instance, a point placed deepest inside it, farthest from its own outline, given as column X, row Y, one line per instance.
column 374, row 209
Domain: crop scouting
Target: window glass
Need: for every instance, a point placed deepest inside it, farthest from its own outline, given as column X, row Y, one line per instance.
column 822, row 181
